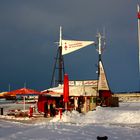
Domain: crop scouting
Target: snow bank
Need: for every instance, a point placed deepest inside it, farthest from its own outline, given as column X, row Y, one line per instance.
column 103, row 115
column 127, row 113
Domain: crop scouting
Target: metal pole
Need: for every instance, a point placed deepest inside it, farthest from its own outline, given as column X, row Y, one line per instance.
column 138, row 10
column 99, row 45
column 24, row 103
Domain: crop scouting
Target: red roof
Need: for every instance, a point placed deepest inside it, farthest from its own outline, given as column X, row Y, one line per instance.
column 52, row 93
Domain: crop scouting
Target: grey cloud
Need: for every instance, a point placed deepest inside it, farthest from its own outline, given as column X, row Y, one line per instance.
column 28, row 30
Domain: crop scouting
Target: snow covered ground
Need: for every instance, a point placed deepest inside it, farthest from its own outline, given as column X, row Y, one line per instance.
column 122, row 123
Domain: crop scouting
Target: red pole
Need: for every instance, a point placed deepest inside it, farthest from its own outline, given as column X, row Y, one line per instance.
column 66, row 90
column 60, row 111
column 31, row 111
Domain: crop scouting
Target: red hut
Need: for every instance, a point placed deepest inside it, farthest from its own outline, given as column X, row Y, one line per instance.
column 49, row 101
column 80, row 95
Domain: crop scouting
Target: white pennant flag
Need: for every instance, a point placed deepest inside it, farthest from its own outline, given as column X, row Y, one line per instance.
column 69, row 46
column 102, row 83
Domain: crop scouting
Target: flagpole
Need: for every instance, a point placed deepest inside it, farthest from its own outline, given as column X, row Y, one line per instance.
column 60, row 37
column 138, row 16
column 99, row 45
column 60, row 58
column 9, row 87
column 25, row 84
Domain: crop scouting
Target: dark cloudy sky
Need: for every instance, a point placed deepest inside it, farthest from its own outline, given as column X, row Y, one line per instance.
column 30, row 28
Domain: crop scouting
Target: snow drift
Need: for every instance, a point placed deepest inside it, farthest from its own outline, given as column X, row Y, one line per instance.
column 103, row 115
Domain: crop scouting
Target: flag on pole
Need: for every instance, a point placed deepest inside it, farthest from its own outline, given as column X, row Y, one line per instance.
column 69, row 46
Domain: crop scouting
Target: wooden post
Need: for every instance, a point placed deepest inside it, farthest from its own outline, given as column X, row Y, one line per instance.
column 66, row 106
column 48, row 110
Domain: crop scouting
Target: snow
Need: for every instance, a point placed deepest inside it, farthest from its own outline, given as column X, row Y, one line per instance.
column 117, row 123
column 126, row 114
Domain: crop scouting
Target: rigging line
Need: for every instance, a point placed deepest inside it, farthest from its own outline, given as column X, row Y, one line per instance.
column 54, row 68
